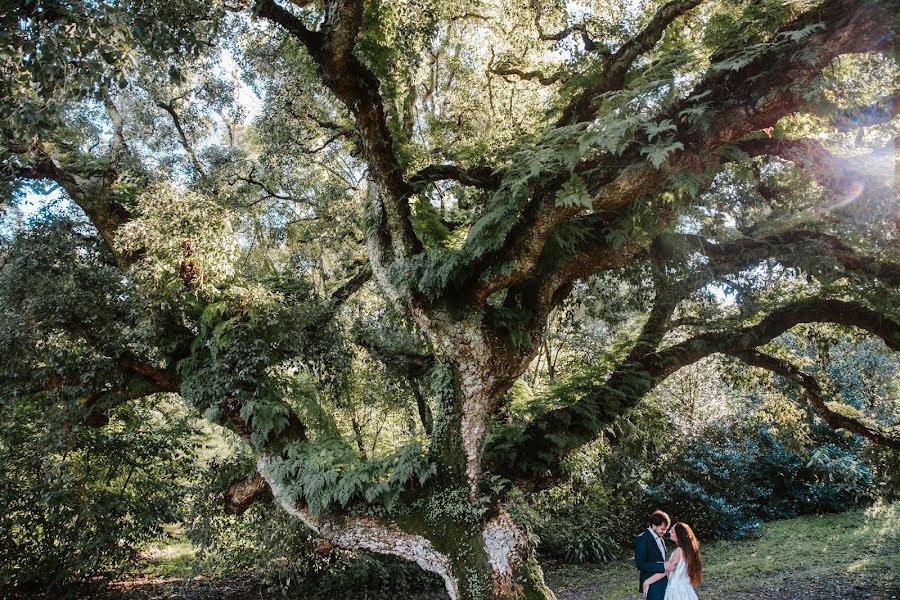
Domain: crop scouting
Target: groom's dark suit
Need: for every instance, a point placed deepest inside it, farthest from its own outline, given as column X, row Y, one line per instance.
column 649, row 560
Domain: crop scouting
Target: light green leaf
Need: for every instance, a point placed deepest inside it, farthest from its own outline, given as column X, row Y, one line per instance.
column 574, row 192
column 658, row 153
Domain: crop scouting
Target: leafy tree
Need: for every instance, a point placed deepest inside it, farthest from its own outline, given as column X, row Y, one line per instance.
column 484, row 163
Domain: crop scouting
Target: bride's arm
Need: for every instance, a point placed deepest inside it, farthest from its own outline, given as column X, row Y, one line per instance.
column 674, row 559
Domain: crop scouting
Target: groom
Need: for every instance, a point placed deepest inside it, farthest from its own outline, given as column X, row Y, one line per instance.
column 650, row 554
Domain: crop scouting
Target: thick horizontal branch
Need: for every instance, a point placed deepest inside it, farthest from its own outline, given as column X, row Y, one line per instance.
column 480, row 177
column 544, row 79
column 662, row 364
column 163, row 380
column 869, row 429
column 271, row 11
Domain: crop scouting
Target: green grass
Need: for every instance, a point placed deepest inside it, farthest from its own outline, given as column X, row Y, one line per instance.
column 859, row 545
column 173, row 556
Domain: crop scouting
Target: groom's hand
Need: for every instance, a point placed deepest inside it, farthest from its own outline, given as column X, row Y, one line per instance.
column 669, row 568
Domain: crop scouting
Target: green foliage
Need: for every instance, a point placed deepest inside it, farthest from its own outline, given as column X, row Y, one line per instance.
column 55, row 52
column 573, row 193
column 68, row 318
column 659, row 152
column 260, row 539
column 330, row 474
column 179, row 230
column 78, row 503
column 583, row 523
column 428, row 225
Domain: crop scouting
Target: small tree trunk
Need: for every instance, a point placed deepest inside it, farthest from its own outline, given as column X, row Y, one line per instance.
column 425, row 415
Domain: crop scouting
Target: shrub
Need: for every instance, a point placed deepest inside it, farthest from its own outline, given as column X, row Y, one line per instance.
column 77, row 503
column 733, row 477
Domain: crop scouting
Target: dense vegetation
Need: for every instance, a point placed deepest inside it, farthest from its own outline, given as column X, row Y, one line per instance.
column 470, row 284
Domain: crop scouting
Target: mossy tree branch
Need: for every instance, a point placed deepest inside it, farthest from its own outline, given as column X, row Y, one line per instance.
column 741, row 107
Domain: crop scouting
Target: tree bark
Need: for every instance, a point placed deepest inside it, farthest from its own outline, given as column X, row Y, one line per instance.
column 478, row 558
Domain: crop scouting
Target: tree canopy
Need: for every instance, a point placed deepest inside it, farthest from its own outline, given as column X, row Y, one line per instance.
column 255, row 196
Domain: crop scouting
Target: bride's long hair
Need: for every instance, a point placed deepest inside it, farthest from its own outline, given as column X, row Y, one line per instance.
column 690, row 551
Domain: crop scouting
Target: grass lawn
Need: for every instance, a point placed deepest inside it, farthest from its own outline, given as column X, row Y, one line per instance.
column 852, row 556
column 859, row 548
column 173, row 556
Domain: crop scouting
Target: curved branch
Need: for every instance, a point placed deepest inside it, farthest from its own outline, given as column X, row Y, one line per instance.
column 90, row 189
column 550, row 437
column 504, row 70
column 589, row 44
column 270, row 193
column 889, row 438
column 664, row 363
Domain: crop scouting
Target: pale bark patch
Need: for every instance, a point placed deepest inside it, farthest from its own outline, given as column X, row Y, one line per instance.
column 361, row 533
column 506, row 547
column 477, row 382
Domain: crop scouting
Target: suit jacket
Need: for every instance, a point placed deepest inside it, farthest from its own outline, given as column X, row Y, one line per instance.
column 649, row 560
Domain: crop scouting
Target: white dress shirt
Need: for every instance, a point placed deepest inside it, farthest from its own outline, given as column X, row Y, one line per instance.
column 660, row 543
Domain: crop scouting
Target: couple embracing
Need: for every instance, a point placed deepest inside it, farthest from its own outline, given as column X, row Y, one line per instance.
column 673, row 579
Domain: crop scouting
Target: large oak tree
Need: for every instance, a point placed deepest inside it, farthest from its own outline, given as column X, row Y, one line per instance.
column 481, row 162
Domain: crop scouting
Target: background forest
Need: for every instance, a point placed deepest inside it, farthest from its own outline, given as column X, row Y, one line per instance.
column 376, row 299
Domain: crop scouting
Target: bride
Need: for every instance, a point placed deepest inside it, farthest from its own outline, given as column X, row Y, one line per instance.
column 686, row 563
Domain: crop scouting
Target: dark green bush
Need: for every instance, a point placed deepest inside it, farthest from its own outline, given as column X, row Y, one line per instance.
column 77, row 503
column 732, row 478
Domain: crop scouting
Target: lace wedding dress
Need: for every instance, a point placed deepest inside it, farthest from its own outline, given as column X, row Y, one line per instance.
column 679, row 586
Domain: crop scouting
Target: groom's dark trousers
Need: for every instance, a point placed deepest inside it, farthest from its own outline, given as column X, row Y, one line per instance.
column 649, row 561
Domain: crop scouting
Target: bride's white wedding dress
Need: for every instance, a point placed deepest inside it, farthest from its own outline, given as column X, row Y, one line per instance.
column 679, row 586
